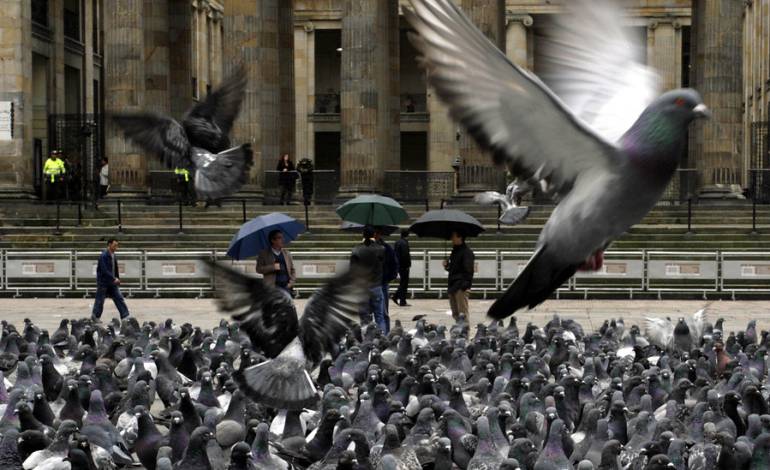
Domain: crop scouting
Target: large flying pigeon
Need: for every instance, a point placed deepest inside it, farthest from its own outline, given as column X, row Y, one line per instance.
column 200, row 141
column 597, row 140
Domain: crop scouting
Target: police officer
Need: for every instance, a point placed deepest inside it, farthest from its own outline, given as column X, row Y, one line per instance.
column 183, row 184
column 53, row 172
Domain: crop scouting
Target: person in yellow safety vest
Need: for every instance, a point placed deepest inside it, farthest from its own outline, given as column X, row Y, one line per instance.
column 53, row 172
column 183, row 185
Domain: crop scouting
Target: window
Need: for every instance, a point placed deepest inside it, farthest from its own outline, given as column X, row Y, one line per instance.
column 40, row 12
column 72, row 19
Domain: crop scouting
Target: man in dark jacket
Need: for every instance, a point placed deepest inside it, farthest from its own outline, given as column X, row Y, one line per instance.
column 107, row 282
column 461, row 266
column 371, row 255
column 404, row 263
column 389, row 273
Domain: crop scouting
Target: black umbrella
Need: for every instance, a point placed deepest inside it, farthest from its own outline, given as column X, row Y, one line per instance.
column 440, row 223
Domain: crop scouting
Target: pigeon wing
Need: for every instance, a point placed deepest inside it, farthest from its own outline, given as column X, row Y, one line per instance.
column 265, row 314
column 506, row 109
column 660, row 332
column 158, row 135
column 331, row 311
column 697, row 325
column 597, row 66
column 223, row 104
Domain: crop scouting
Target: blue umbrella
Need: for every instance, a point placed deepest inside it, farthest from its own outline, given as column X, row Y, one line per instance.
column 252, row 236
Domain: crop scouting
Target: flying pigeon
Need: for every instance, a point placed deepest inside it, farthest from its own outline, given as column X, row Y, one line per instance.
column 597, row 140
column 293, row 345
column 200, row 141
column 512, row 212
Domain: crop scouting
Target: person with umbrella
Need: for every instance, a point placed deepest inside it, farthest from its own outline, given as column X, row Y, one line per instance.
column 371, row 255
column 460, row 266
column 276, row 265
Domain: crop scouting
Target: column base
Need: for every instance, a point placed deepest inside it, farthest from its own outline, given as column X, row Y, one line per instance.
column 721, row 194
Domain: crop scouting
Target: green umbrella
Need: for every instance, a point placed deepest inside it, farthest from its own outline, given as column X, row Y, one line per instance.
column 372, row 209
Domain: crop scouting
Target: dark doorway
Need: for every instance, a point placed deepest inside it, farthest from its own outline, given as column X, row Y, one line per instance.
column 414, row 151
column 327, row 151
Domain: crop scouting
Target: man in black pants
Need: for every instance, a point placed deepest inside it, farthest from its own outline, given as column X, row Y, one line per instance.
column 404, row 263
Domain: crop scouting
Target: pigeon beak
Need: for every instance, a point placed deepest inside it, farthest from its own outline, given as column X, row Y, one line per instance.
column 702, row 111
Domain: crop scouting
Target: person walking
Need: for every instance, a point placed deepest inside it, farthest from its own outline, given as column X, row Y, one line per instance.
column 104, row 178
column 389, row 273
column 54, row 171
column 371, row 255
column 461, row 265
column 404, row 256
column 108, row 282
column 276, row 265
column 287, row 176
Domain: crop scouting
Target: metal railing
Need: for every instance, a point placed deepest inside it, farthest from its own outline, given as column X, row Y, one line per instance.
column 627, row 273
column 418, row 186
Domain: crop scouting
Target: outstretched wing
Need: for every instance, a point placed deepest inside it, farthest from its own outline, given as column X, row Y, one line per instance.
column 158, row 135
column 597, row 66
column 506, row 109
column 697, row 324
column 223, row 104
column 659, row 332
column 489, row 198
column 332, row 311
column 265, row 314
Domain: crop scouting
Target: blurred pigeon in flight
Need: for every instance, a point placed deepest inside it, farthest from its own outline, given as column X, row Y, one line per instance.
column 598, row 140
column 200, row 142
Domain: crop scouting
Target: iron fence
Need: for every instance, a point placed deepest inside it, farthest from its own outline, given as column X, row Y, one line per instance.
column 418, row 186
column 80, row 138
column 654, row 273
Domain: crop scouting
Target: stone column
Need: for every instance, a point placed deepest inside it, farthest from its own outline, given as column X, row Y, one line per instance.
column 202, row 47
column 16, row 80
column 88, row 56
column 367, row 94
column 57, row 94
column 286, row 61
column 664, row 53
column 251, row 38
column 124, row 83
column 180, row 64
column 302, row 79
column 215, row 47
column 477, row 173
column 718, row 63
column 156, row 64
column 516, row 44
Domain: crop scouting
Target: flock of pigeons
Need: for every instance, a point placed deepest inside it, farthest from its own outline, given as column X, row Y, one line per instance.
column 683, row 395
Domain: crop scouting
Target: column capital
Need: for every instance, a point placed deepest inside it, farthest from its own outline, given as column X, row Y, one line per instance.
column 308, row 26
column 521, row 18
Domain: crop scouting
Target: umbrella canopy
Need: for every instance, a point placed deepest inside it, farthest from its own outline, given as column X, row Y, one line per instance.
column 441, row 223
column 354, row 227
column 372, row 209
column 252, row 236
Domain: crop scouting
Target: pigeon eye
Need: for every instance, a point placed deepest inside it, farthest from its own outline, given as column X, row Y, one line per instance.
column 680, row 102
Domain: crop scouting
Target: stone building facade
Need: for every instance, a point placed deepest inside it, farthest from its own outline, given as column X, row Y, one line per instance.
column 336, row 81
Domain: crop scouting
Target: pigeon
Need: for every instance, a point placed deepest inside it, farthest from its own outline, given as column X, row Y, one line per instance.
column 512, row 214
column 200, row 142
column 604, row 182
column 293, row 345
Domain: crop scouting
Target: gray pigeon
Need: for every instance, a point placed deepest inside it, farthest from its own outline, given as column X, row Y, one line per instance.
column 588, row 147
column 200, row 141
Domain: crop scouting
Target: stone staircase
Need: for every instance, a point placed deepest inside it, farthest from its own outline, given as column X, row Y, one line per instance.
column 28, row 226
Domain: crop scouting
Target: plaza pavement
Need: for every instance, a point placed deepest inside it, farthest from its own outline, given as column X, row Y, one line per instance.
column 48, row 312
